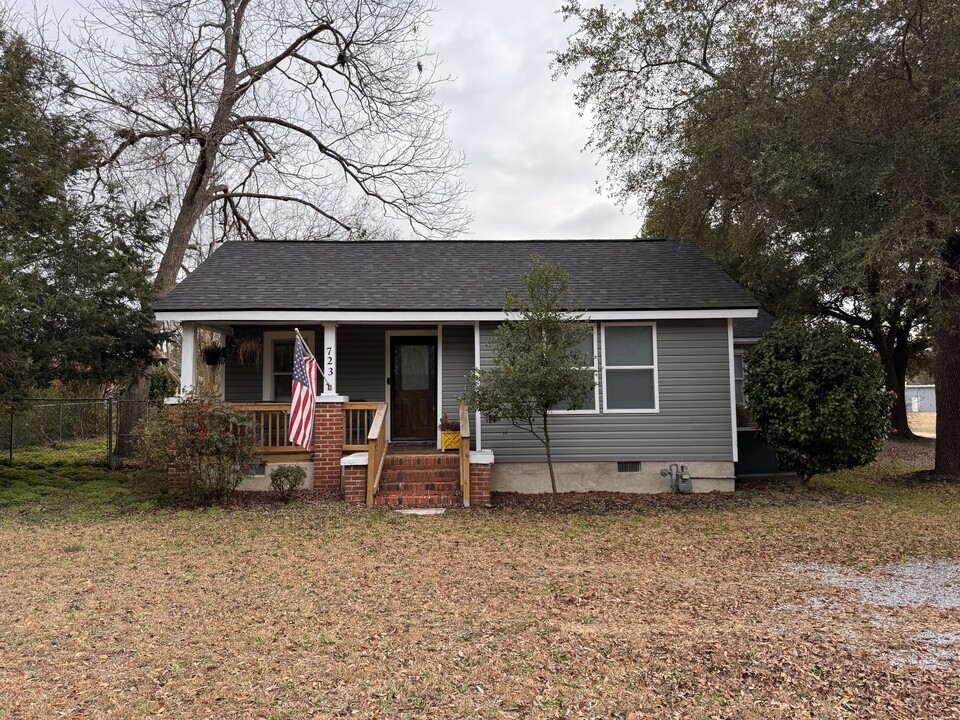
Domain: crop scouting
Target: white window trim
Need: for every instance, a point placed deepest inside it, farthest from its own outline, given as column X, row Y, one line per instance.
column 733, row 392
column 596, row 386
column 269, row 338
column 740, row 352
column 656, row 373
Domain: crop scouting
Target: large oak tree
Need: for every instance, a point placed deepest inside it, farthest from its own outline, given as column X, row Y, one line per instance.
column 811, row 145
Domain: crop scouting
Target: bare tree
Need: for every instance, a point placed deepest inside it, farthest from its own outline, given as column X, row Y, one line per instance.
column 275, row 118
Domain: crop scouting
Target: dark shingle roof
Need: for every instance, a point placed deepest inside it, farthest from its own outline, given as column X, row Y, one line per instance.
column 453, row 275
column 753, row 328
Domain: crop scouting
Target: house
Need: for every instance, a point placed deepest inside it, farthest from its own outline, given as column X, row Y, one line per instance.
column 397, row 326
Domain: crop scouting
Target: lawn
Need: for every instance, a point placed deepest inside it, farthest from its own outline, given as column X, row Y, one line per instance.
column 686, row 607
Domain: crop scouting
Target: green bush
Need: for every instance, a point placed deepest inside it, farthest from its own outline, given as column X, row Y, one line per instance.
column 286, row 480
column 818, row 398
column 204, row 442
column 162, row 384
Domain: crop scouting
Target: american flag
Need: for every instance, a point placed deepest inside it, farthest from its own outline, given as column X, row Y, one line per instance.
column 304, row 395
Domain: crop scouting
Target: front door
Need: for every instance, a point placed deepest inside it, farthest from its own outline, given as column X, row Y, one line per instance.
column 413, row 388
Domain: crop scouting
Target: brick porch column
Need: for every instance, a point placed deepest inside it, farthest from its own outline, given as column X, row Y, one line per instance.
column 328, row 442
column 481, row 466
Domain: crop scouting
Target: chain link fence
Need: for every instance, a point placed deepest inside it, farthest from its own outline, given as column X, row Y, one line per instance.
column 88, row 430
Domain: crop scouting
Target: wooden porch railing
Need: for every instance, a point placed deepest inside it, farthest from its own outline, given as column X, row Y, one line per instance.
column 376, row 451
column 465, row 454
column 357, row 421
column 272, row 421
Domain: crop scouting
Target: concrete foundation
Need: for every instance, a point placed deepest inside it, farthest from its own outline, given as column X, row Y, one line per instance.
column 586, row 477
column 262, row 482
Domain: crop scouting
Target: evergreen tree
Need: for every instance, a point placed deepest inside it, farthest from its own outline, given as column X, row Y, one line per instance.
column 75, row 304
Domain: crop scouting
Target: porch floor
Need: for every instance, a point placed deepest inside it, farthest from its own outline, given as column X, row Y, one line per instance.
column 416, row 448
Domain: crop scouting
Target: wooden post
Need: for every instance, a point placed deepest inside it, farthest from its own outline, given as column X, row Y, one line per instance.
column 371, row 471
column 465, row 454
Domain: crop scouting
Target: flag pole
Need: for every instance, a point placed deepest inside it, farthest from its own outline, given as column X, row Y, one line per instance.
column 307, row 348
column 304, row 342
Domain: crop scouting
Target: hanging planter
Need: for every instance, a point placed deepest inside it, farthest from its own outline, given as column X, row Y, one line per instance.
column 248, row 348
column 213, row 354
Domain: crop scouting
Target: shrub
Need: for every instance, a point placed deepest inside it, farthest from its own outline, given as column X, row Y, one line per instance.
column 286, row 480
column 162, row 384
column 818, row 398
column 202, row 440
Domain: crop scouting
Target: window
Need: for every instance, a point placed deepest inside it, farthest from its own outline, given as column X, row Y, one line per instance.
column 278, row 363
column 587, row 347
column 282, row 370
column 738, row 378
column 630, row 367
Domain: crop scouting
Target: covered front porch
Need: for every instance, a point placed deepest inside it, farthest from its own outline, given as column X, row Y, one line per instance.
column 382, row 392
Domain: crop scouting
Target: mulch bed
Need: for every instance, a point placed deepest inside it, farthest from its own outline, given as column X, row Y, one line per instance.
column 760, row 492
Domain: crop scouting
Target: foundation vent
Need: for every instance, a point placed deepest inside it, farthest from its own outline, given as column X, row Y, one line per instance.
column 628, row 466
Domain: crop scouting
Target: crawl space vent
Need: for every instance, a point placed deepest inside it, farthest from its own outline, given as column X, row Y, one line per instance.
column 628, row 466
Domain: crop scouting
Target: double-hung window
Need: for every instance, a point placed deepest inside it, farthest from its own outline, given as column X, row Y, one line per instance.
column 630, row 367
column 588, row 348
column 278, row 363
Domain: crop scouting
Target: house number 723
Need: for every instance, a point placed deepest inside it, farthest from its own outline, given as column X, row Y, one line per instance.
column 330, row 361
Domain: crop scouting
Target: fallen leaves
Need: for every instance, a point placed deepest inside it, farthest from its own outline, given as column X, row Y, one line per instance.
column 593, row 606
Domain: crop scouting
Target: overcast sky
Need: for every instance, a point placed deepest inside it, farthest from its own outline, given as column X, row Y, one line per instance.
column 519, row 129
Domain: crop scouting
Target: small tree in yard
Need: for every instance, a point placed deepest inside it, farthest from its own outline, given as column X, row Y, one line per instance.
column 818, row 398
column 537, row 362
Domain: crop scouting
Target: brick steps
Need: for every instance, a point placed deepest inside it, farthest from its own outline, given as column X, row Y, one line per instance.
column 406, row 499
column 416, row 481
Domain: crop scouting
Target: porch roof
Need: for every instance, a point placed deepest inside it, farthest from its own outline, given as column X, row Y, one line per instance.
column 461, row 276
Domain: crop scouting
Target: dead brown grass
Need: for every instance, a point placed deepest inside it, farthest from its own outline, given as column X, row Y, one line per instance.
column 924, row 424
column 330, row 612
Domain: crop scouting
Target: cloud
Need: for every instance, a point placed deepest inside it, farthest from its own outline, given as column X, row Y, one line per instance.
column 520, row 130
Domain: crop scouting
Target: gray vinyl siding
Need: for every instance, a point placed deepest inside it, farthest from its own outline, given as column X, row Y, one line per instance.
column 361, row 362
column 693, row 423
column 241, row 384
column 458, row 361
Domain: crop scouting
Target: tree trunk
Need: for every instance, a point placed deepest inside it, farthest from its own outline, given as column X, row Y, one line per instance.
column 191, row 209
column 894, row 350
column 946, row 369
column 895, row 380
column 546, row 445
column 947, row 376
column 131, row 409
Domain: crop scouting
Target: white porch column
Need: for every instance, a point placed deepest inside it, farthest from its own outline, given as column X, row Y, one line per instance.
column 328, row 363
column 188, row 357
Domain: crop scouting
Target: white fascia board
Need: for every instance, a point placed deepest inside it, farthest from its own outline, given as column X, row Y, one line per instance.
column 428, row 316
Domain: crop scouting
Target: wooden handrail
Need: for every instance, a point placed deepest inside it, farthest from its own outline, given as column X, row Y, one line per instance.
column 376, row 451
column 252, row 407
column 465, row 454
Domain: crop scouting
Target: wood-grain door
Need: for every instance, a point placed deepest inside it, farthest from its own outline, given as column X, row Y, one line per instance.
column 413, row 388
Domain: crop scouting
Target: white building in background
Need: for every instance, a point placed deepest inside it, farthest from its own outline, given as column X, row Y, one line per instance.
column 921, row 398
